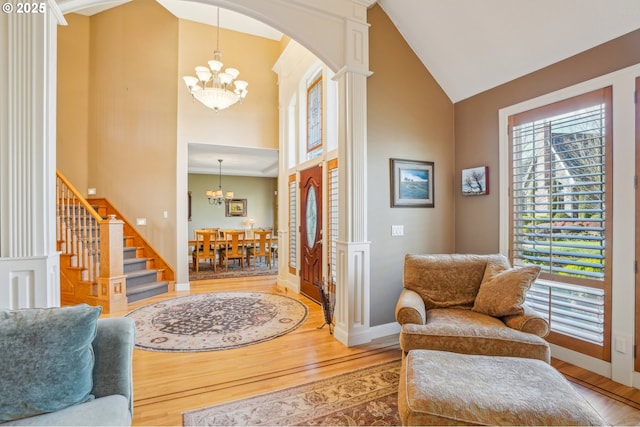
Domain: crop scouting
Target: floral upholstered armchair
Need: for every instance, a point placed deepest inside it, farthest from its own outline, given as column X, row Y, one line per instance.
column 472, row 304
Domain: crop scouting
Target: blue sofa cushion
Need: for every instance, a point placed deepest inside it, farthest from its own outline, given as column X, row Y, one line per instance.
column 106, row 411
column 49, row 359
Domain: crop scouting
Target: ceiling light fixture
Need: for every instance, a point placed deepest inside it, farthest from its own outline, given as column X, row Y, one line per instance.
column 216, row 197
column 212, row 87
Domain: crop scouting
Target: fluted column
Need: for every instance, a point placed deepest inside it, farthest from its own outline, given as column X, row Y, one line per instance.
column 352, row 291
column 29, row 262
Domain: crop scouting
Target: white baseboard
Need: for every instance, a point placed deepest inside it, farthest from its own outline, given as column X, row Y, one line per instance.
column 385, row 330
column 183, row 286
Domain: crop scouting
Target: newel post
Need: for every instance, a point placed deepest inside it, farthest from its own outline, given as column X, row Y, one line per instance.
column 112, row 287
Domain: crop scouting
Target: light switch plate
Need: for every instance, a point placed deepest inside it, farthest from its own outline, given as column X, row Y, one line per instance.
column 397, row 230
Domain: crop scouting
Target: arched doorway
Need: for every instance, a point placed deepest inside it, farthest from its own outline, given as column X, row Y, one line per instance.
column 344, row 48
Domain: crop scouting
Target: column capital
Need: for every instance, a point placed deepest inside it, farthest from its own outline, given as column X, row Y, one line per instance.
column 356, row 56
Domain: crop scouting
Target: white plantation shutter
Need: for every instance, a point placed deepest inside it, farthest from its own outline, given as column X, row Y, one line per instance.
column 293, row 234
column 333, row 216
column 560, row 188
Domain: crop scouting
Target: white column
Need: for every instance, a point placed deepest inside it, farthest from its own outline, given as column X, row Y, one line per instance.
column 285, row 278
column 29, row 261
column 352, row 310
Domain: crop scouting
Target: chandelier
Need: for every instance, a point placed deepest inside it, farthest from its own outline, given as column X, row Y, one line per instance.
column 212, row 87
column 216, row 197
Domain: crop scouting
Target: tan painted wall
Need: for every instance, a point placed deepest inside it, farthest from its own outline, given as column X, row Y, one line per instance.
column 124, row 108
column 132, row 119
column 254, row 123
column 409, row 117
column 476, row 128
column 73, row 101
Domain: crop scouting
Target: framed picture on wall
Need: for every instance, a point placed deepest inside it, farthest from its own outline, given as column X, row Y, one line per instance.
column 411, row 183
column 236, row 207
column 475, row 181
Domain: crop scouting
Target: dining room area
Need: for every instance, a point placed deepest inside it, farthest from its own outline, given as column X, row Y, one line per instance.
column 233, row 231
column 218, row 253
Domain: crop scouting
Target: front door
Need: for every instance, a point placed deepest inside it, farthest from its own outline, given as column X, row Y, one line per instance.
column 311, row 231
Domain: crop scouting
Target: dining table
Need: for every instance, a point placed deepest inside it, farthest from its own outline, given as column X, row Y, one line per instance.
column 221, row 237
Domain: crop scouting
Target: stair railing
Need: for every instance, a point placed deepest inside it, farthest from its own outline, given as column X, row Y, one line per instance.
column 78, row 229
column 89, row 239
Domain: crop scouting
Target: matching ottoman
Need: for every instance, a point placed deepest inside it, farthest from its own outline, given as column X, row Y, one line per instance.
column 443, row 388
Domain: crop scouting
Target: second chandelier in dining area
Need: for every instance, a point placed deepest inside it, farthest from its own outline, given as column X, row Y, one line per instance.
column 219, row 197
column 213, row 87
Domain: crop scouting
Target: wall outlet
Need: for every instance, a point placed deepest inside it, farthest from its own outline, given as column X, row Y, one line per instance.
column 91, row 191
column 397, row 230
column 165, row 214
column 141, row 221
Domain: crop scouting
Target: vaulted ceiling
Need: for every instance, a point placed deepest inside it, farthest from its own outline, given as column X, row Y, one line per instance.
column 469, row 46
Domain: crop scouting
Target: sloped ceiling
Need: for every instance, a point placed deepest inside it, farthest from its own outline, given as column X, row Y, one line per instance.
column 470, row 46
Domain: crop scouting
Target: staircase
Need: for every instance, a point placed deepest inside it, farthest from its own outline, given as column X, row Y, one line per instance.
column 104, row 260
column 142, row 282
column 147, row 273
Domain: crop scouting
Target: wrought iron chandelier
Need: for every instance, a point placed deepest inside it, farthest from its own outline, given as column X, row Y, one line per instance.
column 213, row 87
column 217, row 197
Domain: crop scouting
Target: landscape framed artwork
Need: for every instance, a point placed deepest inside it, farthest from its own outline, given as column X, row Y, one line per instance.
column 236, row 207
column 411, row 183
column 475, row 181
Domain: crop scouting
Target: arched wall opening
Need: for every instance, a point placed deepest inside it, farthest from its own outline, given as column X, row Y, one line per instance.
column 344, row 50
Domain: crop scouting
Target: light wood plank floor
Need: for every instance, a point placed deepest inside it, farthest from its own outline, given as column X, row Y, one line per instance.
column 167, row 384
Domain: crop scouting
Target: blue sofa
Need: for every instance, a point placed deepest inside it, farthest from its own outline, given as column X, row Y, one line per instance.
column 108, row 397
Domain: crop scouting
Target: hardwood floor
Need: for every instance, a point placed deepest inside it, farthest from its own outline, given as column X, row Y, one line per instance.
column 616, row 403
column 167, row 384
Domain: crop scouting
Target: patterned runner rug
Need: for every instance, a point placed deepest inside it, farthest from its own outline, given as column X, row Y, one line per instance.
column 216, row 321
column 366, row 397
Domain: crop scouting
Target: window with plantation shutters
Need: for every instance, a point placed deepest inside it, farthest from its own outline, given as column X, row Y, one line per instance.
column 560, row 213
column 293, row 233
column 332, row 217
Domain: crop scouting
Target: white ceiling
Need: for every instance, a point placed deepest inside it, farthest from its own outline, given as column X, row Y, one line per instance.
column 243, row 161
column 206, row 14
column 469, row 46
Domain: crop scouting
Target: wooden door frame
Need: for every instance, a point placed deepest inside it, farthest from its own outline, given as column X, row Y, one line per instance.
column 305, row 175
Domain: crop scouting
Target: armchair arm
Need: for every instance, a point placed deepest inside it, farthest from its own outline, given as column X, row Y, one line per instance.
column 530, row 322
column 410, row 308
column 113, row 350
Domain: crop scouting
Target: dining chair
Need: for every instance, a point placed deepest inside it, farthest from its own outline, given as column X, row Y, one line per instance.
column 261, row 247
column 206, row 247
column 234, row 248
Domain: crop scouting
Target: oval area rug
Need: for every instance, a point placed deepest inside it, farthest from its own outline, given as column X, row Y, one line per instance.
column 216, row 321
